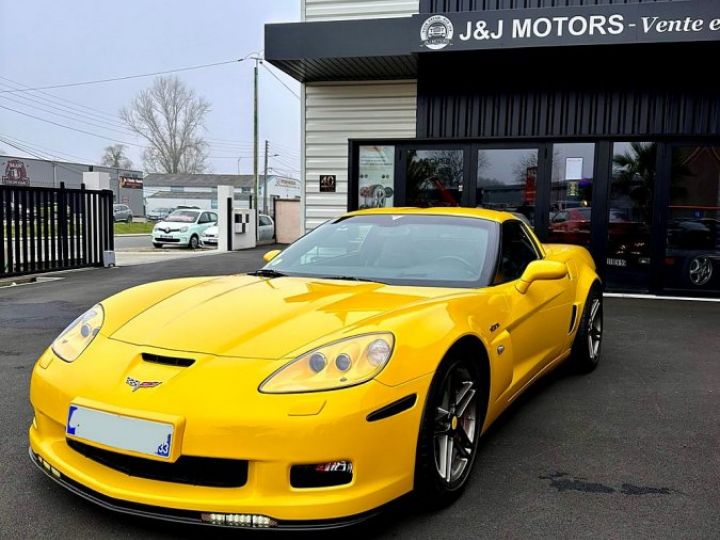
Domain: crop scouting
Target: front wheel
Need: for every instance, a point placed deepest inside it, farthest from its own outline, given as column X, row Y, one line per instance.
column 449, row 432
column 588, row 340
column 157, row 245
column 128, row 220
column 194, row 242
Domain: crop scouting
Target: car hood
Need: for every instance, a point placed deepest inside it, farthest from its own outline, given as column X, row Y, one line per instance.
column 252, row 317
column 173, row 224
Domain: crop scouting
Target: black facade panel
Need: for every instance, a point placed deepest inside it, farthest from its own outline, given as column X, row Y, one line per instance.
column 584, row 92
column 454, row 6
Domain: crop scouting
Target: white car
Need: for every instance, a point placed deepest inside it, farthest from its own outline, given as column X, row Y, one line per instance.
column 266, row 232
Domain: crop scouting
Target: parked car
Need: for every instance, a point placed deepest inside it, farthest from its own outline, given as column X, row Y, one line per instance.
column 321, row 386
column 122, row 212
column 183, row 227
column 266, row 232
column 158, row 214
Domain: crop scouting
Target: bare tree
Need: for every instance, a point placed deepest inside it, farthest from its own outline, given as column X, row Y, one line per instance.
column 170, row 116
column 114, row 156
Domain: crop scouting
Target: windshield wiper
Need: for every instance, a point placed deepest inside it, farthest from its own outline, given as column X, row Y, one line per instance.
column 267, row 272
column 352, row 278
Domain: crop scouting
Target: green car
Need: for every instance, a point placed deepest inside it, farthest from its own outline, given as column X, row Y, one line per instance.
column 183, row 227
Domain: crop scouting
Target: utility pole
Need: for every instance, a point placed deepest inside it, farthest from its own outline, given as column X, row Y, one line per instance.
column 265, row 185
column 255, row 148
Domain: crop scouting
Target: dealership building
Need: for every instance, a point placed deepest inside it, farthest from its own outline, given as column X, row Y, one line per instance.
column 597, row 121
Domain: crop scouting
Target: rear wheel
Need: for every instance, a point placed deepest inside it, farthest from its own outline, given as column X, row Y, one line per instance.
column 194, row 242
column 129, row 219
column 588, row 340
column 449, row 432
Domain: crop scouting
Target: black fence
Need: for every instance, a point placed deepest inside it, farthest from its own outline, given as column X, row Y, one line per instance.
column 46, row 229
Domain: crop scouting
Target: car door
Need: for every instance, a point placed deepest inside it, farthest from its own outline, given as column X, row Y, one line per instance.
column 266, row 230
column 537, row 321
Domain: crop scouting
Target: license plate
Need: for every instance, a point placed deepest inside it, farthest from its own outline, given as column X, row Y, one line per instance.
column 121, row 432
column 165, row 237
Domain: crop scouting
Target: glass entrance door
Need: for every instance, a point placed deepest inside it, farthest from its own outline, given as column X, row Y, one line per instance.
column 692, row 239
column 630, row 215
column 507, row 180
column 435, row 176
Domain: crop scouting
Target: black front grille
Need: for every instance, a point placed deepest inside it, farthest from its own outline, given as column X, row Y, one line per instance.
column 199, row 471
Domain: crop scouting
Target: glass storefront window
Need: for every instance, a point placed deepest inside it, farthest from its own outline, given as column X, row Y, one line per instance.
column 571, row 193
column 630, row 208
column 692, row 250
column 434, row 177
column 376, row 175
column 507, row 180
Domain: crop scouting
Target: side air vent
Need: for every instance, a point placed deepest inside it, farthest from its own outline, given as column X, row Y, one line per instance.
column 573, row 316
column 167, row 360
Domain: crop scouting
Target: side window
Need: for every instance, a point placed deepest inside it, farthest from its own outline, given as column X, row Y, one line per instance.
column 516, row 252
column 203, row 218
column 213, row 216
column 264, row 220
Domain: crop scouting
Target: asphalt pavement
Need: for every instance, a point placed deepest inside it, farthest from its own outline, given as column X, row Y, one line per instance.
column 629, row 451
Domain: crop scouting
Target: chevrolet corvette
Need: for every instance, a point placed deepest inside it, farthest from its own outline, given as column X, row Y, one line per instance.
column 362, row 363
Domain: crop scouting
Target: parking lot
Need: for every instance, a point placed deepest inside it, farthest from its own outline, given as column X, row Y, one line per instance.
column 630, row 451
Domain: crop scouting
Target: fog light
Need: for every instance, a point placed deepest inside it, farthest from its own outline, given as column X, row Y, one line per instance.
column 332, row 473
column 239, row 520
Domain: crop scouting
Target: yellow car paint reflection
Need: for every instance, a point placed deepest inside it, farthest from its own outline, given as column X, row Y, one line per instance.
column 317, row 387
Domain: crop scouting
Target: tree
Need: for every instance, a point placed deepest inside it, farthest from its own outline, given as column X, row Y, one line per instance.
column 170, row 116
column 114, row 156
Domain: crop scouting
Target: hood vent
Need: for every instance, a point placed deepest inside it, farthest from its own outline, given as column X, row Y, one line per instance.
column 167, row 360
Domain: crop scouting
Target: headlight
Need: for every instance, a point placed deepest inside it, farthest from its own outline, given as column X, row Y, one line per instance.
column 184, row 229
column 340, row 364
column 79, row 334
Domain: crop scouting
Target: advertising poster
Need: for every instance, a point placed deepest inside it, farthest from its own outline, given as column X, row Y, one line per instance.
column 328, row 183
column 131, row 182
column 376, row 171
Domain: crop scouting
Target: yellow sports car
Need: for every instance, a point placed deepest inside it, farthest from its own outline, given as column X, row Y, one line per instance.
column 361, row 363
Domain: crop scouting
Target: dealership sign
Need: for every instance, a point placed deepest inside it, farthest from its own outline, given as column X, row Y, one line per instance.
column 584, row 25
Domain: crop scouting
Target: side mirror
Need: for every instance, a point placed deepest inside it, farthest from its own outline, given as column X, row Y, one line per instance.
column 540, row 270
column 270, row 255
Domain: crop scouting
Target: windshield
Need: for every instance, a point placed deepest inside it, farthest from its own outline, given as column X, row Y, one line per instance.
column 183, row 216
column 400, row 249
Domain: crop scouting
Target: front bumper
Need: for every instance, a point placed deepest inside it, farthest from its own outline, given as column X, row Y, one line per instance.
column 188, row 517
column 271, row 432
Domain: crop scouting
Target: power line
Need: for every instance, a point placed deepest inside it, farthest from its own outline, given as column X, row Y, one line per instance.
column 69, row 127
column 280, row 80
column 57, row 99
column 49, row 151
column 123, row 78
column 73, row 118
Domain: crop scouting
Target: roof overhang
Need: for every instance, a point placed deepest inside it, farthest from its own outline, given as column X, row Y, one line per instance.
column 383, row 49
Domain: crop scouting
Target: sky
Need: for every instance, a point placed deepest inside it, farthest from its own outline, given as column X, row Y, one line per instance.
column 53, row 42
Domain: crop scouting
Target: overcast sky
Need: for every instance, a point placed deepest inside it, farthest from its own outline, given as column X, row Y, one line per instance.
column 49, row 42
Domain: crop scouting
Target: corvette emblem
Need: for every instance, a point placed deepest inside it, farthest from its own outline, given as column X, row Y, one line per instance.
column 136, row 385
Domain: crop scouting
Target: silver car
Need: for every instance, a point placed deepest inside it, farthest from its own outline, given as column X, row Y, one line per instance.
column 266, row 232
column 122, row 212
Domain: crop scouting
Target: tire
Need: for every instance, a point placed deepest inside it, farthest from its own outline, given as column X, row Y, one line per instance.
column 194, row 242
column 433, row 490
column 586, row 348
column 128, row 220
column 157, row 245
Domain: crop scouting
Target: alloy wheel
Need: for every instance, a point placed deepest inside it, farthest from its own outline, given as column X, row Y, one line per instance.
column 456, row 426
column 701, row 270
column 595, row 329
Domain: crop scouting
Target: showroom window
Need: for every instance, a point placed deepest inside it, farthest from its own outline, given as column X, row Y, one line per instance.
column 434, row 177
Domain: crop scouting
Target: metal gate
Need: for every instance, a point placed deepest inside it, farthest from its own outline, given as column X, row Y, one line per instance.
column 47, row 229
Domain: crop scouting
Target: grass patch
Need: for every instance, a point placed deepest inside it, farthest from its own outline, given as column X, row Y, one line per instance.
column 134, row 228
